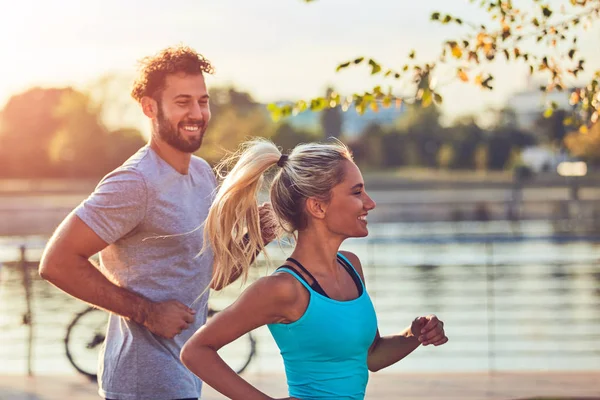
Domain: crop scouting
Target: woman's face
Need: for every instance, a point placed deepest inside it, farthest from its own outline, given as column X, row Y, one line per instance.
column 346, row 212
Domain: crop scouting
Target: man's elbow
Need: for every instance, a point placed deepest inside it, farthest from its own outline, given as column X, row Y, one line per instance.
column 49, row 265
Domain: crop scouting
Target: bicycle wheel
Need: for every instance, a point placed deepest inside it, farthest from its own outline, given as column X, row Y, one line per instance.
column 239, row 353
column 85, row 336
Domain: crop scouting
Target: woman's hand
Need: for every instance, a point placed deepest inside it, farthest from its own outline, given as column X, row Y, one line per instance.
column 429, row 330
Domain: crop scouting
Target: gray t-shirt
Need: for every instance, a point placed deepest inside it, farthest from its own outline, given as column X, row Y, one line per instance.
column 152, row 218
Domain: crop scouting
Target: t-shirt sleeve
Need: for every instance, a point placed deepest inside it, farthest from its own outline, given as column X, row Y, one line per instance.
column 117, row 205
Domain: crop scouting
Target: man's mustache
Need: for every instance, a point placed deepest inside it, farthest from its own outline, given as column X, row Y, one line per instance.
column 198, row 122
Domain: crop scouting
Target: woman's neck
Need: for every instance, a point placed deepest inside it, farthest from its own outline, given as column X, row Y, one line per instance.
column 317, row 250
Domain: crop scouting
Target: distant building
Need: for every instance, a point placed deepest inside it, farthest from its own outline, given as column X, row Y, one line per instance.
column 529, row 105
column 541, row 159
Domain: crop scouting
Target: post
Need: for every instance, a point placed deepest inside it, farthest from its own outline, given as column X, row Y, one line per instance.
column 491, row 306
column 27, row 318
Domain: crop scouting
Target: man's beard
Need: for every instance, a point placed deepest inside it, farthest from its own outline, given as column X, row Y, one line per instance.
column 171, row 135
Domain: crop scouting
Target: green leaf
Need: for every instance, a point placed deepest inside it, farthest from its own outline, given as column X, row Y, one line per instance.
column 426, row 98
column 361, row 108
column 342, row 66
column 572, row 53
column 275, row 113
column 286, row 110
column 301, row 106
column 438, row 98
column 387, row 102
column 358, row 60
column 435, row 16
column 318, row 104
column 375, row 68
column 374, row 106
column 548, row 113
column 447, row 19
column 546, row 11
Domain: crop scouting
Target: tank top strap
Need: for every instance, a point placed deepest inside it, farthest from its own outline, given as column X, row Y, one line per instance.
column 315, row 284
column 292, row 271
column 348, row 264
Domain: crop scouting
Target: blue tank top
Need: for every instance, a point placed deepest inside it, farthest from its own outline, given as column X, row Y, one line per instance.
column 325, row 351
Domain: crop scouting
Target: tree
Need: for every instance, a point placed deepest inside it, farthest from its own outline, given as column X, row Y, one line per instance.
column 27, row 126
column 552, row 127
column 58, row 132
column 511, row 32
column 368, row 149
column 505, row 144
column 287, row 137
column 423, row 135
column 235, row 117
column 464, row 138
column 585, row 144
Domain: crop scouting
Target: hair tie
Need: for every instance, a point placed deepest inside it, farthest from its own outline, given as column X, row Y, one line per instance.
column 282, row 160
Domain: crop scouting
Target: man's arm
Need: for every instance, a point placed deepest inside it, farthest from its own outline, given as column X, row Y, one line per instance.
column 65, row 263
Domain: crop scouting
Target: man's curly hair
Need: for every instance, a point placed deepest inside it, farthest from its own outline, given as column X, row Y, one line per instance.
column 172, row 60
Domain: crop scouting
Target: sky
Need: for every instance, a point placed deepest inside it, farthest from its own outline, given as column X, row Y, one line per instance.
column 275, row 49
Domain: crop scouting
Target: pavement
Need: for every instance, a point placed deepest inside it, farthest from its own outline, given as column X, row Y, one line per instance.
column 382, row 386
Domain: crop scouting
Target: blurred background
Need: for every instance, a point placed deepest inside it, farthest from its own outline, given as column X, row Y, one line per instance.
column 487, row 189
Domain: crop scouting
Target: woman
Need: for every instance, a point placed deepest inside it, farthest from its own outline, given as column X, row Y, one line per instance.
column 315, row 305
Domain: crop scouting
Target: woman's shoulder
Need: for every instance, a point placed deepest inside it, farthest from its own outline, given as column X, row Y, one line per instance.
column 280, row 286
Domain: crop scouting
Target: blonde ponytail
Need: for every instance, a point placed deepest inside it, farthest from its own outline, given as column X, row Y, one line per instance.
column 234, row 212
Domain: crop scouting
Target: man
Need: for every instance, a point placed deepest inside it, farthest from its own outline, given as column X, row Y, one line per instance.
column 145, row 219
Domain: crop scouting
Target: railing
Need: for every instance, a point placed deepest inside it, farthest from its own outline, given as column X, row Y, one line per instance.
column 526, row 301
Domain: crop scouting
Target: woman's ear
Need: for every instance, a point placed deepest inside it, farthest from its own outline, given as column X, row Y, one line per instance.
column 316, row 208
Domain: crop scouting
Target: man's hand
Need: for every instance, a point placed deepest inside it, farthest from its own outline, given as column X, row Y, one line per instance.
column 268, row 223
column 168, row 318
column 429, row 330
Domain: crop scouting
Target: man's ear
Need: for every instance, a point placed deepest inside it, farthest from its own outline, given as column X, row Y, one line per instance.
column 316, row 208
column 149, row 107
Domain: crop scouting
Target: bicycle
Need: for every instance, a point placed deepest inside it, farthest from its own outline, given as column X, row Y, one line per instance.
column 87, row 331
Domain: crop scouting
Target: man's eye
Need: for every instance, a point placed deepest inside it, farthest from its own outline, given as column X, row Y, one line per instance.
column 182, row 103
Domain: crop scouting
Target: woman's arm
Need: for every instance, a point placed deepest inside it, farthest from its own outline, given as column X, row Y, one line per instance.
column 388, row 350
column 266, row 301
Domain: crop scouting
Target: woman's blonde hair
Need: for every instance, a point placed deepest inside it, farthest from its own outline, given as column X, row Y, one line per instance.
column 310, row 170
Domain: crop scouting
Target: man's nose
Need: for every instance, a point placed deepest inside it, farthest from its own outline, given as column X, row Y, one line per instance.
column 196, row 112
